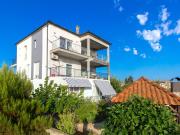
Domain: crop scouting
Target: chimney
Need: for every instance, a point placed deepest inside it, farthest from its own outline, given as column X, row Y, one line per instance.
column 77, row 29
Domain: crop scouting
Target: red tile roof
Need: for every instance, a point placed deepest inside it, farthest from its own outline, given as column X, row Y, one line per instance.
column 147, row 89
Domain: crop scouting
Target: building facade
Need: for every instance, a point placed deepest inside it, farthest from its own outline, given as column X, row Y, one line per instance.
column 69, row 58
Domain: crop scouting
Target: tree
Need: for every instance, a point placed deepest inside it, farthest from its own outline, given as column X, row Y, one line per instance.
column 139, row 116
column 116, row 84
column 128, row 81
column 19, row 113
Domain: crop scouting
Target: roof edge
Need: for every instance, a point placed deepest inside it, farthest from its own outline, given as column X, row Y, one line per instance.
column 41, row 26
column 96, row 36
column 50, row 22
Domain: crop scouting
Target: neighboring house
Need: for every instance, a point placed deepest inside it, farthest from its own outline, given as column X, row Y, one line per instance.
column 68, row 58
column 149, row 90
column 175, row 88
column 165, row 84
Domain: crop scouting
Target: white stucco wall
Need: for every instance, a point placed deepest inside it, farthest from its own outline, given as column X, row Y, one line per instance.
column 24, row 65
column 54, row 33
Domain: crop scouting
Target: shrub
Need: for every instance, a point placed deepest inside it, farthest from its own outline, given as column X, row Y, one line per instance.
column 56, row 98
column 86, row 112
column 139, row 116
column 116, row 84
column 65, row 106
column 67, row 123
column 102, row 110
column 18, row 110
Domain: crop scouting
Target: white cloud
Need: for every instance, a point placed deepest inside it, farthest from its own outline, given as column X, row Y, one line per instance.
column 177, row 28
column 127, row 49
column 143, row 55
column 153, row 37
column 135, row 51
column 116, row 3
column 121, row 9
column 150, row 35
column 156, row 46
column 143, row 18
column 164, row 14
column 165, row 28
column 179, row 39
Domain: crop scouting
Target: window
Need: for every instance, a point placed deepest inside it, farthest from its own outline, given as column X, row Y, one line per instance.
column 69, row 45
column 35, row 43
column 65, row 43
column 68, row 70
column 36, row 71
column 76, row 89
column 62, row 42
column 25, row 52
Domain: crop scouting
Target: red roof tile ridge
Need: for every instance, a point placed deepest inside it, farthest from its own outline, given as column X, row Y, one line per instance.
column 163, row 89
column 171, row 97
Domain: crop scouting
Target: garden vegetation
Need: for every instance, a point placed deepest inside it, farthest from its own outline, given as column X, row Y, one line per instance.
column 139, row 116
column 24, row 112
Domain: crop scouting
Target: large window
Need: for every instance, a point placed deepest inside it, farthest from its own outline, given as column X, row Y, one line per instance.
column 65, row 43
column 68, row 70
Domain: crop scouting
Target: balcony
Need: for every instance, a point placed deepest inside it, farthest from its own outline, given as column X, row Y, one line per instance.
column 98, row 60
column 71, row 72
column 66, row 48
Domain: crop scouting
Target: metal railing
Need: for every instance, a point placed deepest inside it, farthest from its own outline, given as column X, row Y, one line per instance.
column 72, row 72
column 99, row 57
column 76, row 48
column 72, row 47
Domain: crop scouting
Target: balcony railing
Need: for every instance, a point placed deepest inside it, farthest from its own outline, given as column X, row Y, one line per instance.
column 72, row 47
column 97, row 56
column 76, row 48
column 71, row 72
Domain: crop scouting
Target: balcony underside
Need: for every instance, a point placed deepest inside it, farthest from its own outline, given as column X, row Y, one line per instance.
column 99, row 63
column 95, row 63
column 69, row 54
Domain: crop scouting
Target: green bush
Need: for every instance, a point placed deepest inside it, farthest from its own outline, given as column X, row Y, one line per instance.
column 71, row 107
column 139, row 116
column 67, row 123
column 18, row 110
column 86, row 112
column 56, row 98
column 116, row 84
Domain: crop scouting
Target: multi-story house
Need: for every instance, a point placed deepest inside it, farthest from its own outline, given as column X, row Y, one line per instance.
column 69, row 58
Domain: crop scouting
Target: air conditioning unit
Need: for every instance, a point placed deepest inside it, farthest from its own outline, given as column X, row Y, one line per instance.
column 54, row 56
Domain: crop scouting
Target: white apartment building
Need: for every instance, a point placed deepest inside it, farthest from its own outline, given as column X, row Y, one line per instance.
column 69, row 58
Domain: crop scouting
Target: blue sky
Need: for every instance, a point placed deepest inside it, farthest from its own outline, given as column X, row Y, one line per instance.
column 145, row 34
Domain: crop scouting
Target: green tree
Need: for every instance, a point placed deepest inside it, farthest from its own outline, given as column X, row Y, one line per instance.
column 128, row 81
column 139, row 116
column 116, row 84
column 19, row 113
